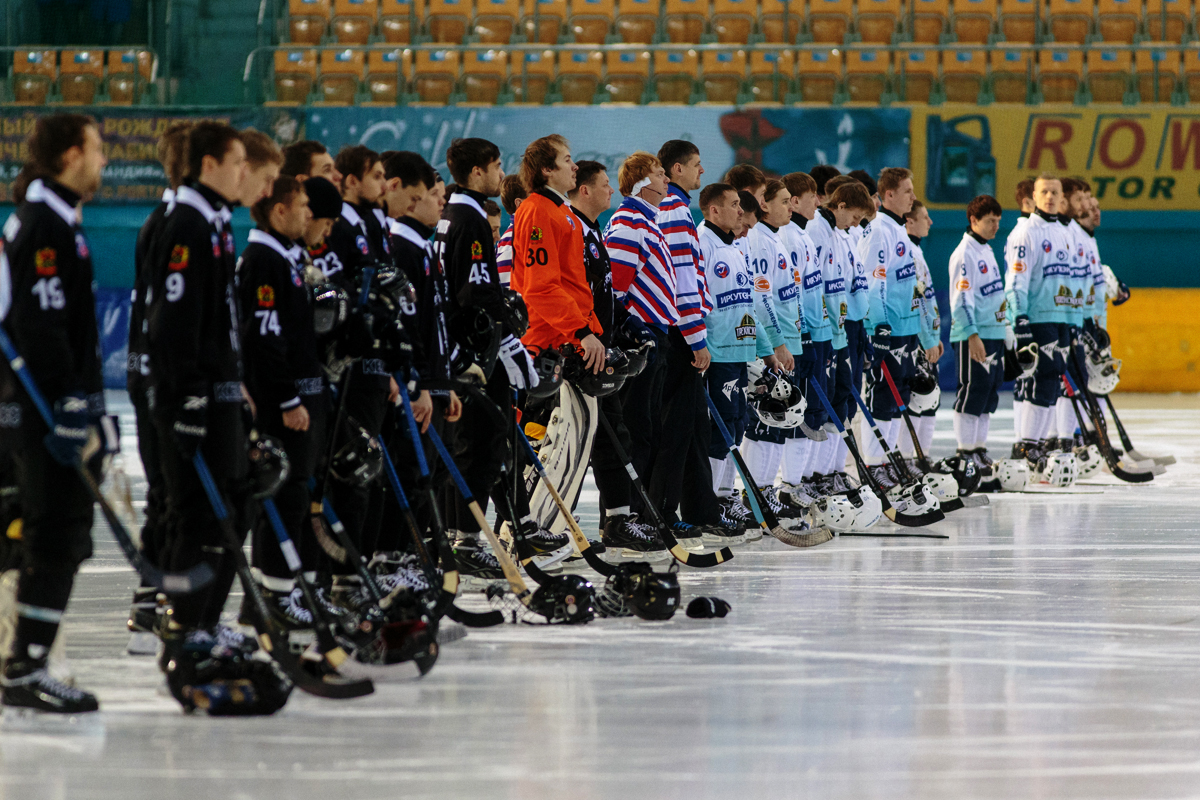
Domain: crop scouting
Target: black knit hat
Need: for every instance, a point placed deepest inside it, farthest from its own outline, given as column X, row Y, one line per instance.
column 323, row 198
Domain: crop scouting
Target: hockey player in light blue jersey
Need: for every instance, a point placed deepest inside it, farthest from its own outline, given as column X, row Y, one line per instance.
column 1076, row 202
column 918, row 223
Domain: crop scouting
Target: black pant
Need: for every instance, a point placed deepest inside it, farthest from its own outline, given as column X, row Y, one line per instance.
column 640, row 402
column 153, row 531
column 481, row 445
column 1044, row 386
column 366, row 407
column 978, row 384
column 616, row 489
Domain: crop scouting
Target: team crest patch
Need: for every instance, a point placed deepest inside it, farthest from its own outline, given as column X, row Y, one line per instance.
column 227, row 237
column 983, row 267
column 741, row 278
column 216, row 243
column 476, row 251
column 721, row 269
column 782, row 263
column 361, row 242
column 745, row 328
column 570, row 221
column 535, row 234
column 46, row 261
column 179, row 258
column 1045, row 245
column 595, row 250
column 81, row 248
column 266, row 296
column 900, row 249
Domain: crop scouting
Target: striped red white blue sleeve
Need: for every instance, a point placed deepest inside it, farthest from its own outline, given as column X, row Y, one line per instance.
column 642, row 276
column 679, row 230
column 504, row 256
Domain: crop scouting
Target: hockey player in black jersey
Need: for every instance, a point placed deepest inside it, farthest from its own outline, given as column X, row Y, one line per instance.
column 52, row 324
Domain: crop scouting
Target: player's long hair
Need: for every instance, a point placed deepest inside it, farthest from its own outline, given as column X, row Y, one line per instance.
column 52, row 137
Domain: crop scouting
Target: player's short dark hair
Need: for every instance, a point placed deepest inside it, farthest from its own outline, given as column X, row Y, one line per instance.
column 209, row 138
column 799, row 183
column 853, row 194
column 983, row 205
column 912, row 212
column 750, row 204
column 172, row 152
column 356, row 160
column 282, row 191
column 1024, row 191
column 588, row 170
column 745, row 177
column 1071, row 186
column 821, row 173
column 464, row 155
column 512, row 189
column 676, row 151
column 772, row 189
column 865, row 179
column 490, row 208
column 833, row 183
column 260, row 148
column 712, row 193
column 52, row 137
column 541, row 154
column 410, row 168
column 890, row 179
column 297, row 157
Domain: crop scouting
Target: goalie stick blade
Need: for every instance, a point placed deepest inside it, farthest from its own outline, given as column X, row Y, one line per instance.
column 953, row 504
column 701, row 560
column 474, row 619
column 1129, row 476
column 1162, row 461
column 914, row 521
column 816, row 435
column 332, row 685
column 974, row 501
column 895, row 535
column 810, row 538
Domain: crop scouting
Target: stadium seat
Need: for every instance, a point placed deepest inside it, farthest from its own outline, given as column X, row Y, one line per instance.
column 1019, row 20
column 341, row 72
column 772, row 75
column 495, row 21
column 684, row 21
column 820, row 74
column 1119, row 20
column 1191, row 73
column 876, row 20
column 307, row 20
column 79, row 76
column 675, row 76
column 929, row 18
column 387, row 75
column 484, row 76
column 733, row 20
column 544, row 20
column 625, row 76
column 591, row 20
column 398, row 21
column 964, row 75
column 774, row 12
column 1177, row 14
column 129, row 73
column 637, row 21
column 1012, row 75
column 1071, row 20
column 1156, row 71
column 974, row 20
column 353, row 21
column 829, row 20
column 579, row 76
column 1108, row 73
column 724, row 74
column 917, row 72
column 530, row 79
column 435, row 76
column 867, row 75
column 446, row 20
column 1059, row 74
column 34, row 72
column 295, row 74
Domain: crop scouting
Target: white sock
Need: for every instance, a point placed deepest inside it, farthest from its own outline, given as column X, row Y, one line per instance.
column 796, row 455
column 619, row 511
column 1020, row 409
column 1031, row 423
column 1067, row 422
column 891, row 432
column 872, row 451
column 966, row 430
column 1048, row 423
column 727, row 479
column 981, row 432
column 905, row 442
column 925, row 428
column 839, row 459
column 763, row 460
column 718, row 472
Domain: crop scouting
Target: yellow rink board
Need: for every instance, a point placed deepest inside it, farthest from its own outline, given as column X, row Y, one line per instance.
column 1156, row 334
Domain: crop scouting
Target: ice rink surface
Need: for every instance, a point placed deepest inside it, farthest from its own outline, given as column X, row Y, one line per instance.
column 1050, row 648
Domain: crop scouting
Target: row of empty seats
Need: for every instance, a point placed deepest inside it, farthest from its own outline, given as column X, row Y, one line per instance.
column 736, row 21
column 80, row 77
column 488, row 76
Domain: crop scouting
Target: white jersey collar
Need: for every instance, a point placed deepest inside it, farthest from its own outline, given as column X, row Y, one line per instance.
column 408, row 234
column 466, row 200
column 351, row 215
column 190, row 197
column 39, row 192
column 262, row 237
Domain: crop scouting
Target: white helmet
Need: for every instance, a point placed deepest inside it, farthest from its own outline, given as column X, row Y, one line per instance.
column 1059, row 469
column 1012, row 473
column 924, row 392
column 847, row 512
column 1112, row 285
column 1088, row 460
column 777, row 401
column 940, row 485
column 914, row 499
column 1103, row 373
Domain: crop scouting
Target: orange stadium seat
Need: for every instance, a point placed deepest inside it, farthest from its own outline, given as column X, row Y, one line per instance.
column 724, row 74
column 964, row 74
column 1108, row 74
column 1019, row 20
column 496, row 20
column 929, row 19
column 591, row 20
column 129, row 73
column 307, row 20
column 398, row 21
column 974, row 20
column 1156, row 71
column 531, row 78
column 772, row 75
column 544, row 20
column 733, row 20
column 876, row 20
column 435, row 75
column 675, row 75
column 684, row 21
column 446, row 20
column 1119, row 19
column 867, row 73
column 1177, row 14
column 387, row 75
column 579, row 75
column 341, row 72
column 774, row 12
column 1191, row 73
column 484, row 75
column 1071, row 20
column 820, row 74
column 637, row 21
column 626, row 74
column 354, row 20
column 1012, row 72
column 80, row 74
column 917, row 72
column 1059, row 74
column 829, row 20
column 295, row 74
column 34, row 72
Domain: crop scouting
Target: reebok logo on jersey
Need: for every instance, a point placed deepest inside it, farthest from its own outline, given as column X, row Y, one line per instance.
column 266, row 296
column 745, row 328
column 721, row 269
column 46, row 262
column 179, row 258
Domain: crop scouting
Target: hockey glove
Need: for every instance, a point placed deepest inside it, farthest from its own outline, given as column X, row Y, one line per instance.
column 191, row 425
column 1023, row 332
column 881, row 343
column 66, row 440
column 517, row 363
column 1010, row 338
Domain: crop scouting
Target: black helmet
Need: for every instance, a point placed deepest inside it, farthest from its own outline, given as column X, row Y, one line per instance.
column 610, row 598
column 518, row 311
column 638, row 358
column 925, row 379
column 964, row 470
column 565, row 598
column 474, row 331
column 609, row 379
column 407, row 640
column 331, row 307
column 269, row 466
column 359, row 461
column 653, row 595
column 548, row 364
column 394, row 282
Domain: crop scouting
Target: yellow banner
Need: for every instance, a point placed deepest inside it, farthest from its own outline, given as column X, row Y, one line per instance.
column 1141, row 157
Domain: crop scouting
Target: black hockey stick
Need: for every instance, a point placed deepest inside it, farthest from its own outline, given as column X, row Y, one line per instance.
column 1098, row 422
column 331, row 684
column 766, row 517
column 681, row 555
column 170, row 582
column 919, row 451
column 900, row 518
column 895, row 535
column 1163, row 461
